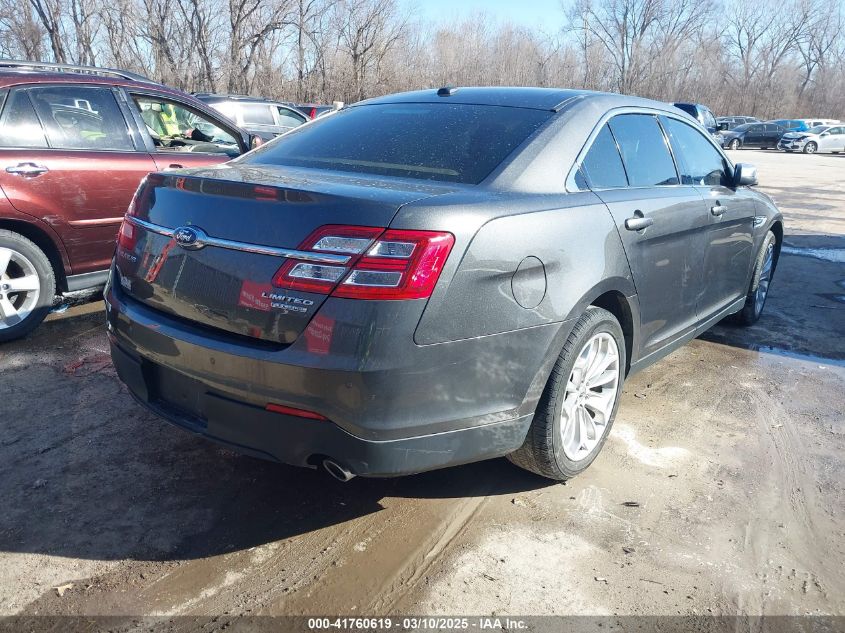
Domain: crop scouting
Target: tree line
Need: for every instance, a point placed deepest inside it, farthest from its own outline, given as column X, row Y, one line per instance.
column 767, row 58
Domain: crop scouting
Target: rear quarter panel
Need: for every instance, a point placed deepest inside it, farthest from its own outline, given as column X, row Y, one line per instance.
column 566, row 248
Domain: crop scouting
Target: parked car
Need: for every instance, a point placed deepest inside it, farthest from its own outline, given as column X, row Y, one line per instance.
column 791, row 125
column 811, row 123
column 822, row 138
column 75, row 143
column 730, row 122
column 314, row 110
column 700, row 113
column 261, row 117
column 760, row 135
column 431, row 292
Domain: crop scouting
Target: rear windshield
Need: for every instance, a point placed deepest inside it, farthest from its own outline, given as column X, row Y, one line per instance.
column 429, row 141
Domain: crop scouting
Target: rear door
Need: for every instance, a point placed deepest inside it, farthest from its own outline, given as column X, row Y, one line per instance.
column 74, row 167
column 659, row 221
column 180, row 135
column 726, row 258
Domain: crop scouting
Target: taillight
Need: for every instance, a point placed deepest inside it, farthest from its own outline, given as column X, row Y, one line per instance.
column 127, row 236
column 392, row 264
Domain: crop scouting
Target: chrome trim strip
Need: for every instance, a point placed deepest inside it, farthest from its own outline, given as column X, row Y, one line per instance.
column 258, row 249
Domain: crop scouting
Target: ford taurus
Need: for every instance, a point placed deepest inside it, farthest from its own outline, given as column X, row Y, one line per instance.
column 437, row 277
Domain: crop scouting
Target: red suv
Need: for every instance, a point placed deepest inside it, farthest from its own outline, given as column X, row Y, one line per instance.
column 75, row 143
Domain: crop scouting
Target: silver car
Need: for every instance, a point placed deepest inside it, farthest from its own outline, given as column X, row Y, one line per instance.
column 822, row 138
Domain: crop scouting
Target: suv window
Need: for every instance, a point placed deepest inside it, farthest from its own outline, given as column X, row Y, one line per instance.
column 452, row 142
column 81, row 118
column 289, row 118
column 700, row 163
column 257, row 114
column 602, row 166
column 19, row 125
column 176, row 128
column 645, row 153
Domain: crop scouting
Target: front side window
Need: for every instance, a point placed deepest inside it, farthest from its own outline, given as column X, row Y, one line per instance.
column 19, row 125
column 700, row 163
column 602, row 166
column 645, row 153
column 77, row 117
column 176, row 128
column 289, row 118
column 450, row 142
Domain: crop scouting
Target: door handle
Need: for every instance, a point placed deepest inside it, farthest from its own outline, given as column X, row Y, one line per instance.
column 638, row 222
column 718, row 210
column 27, row 169
column 175, row 166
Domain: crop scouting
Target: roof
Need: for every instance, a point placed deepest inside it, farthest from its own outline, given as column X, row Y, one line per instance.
column 532, row 98
column 13, row 77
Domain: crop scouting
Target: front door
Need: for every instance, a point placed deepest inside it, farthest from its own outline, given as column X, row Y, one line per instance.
column 68, row 158
column 832, row 140
column 725, row 260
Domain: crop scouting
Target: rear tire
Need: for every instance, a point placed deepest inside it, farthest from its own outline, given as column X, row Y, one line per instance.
column 587, row 378
column 758, row 292
column 27, row 286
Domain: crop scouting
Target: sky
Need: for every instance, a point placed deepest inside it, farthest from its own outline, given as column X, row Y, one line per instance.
column 523, row 12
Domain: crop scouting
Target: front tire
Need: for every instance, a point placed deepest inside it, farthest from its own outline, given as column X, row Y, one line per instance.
column 758, row 292
column 810, row 148
column 734, row 144
column 579, row 403
column 27, row 286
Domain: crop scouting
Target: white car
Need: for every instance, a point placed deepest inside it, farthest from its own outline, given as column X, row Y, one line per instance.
column 817, row 122
column 822, row 138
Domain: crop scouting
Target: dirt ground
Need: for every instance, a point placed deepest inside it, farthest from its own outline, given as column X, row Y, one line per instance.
column 720, row 489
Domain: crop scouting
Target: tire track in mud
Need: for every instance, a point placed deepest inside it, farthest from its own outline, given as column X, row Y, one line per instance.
column 789, row 492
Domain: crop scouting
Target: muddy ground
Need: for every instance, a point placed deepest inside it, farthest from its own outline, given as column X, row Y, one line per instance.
column 731, row 450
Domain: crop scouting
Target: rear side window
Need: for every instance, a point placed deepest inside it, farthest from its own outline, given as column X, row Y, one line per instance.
column 19, row 125
column 644, row 151
column 257, row 114
column 429, row 141
column 699, row 162
column 602, row 166
column 81, row 118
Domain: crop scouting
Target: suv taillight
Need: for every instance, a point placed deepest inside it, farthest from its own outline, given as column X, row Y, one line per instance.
column 384, row 264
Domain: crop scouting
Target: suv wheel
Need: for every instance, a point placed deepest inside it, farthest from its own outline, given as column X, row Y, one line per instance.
column 579, row 403
column 810, row 148
column 758, row 292
column 27, row 286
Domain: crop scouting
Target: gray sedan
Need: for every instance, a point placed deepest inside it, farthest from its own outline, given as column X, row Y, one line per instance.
column 436, row 277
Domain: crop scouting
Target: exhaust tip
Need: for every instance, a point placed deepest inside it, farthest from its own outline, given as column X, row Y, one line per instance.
column 337, row 471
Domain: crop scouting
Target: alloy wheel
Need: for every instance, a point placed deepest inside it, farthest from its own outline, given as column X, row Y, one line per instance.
column 765, row 279
column 590, row 396
column 20, row 287
column 735, row 144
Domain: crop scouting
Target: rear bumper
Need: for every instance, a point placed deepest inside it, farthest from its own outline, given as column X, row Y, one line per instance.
column 301, row 442
column 394, row 407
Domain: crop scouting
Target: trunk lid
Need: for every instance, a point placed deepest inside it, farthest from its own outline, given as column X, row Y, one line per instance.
column 260, row 208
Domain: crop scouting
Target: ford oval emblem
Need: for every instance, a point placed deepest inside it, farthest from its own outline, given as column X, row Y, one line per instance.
column 189, row 237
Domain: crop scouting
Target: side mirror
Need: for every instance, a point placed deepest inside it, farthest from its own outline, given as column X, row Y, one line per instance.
column 825, row 134
column 255, row 141
column 745, row 175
